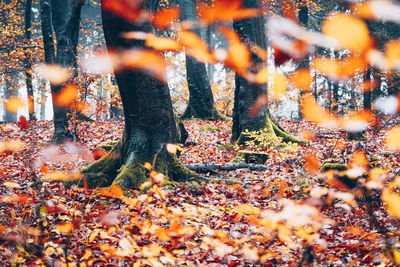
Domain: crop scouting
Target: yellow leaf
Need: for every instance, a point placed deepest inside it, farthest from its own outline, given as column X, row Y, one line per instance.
column 392, row 198
column 173, row 148
column 393, row 53
column 248, row 209
column 392, row 140
column 279, row 84
column 351, row 32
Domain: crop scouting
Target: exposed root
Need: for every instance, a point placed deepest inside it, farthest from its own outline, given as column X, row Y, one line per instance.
column 191, row 113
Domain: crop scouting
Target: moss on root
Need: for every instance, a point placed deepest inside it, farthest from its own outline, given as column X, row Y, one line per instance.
column 250, row 157
column 108, row 146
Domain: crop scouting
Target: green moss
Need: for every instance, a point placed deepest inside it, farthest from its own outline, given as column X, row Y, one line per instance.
column 108, row 146
column 209, row 129
column 250, row 157
column 333, row 166
column 230, row 146
column 130, row 176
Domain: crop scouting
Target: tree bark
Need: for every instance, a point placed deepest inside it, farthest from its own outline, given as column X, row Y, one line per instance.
column 252, row 30
column 201, row 100
column 149, row 121
column 61, row 17
column 10, row 91
column 28, row 64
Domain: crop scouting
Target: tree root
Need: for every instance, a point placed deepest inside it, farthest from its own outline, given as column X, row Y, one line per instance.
column 191, row 113
column 211, row 168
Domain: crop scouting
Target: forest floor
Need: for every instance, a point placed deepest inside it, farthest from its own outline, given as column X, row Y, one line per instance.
column 290, row 214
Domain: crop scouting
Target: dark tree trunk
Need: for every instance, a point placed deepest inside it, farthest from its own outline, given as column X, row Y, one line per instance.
column 201, row 101
column 61, row 17
column 246, row 93
column 367, row 95
column 28, row 64
column 149, row 120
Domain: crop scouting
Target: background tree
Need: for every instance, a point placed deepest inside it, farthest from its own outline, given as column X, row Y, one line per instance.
column 201, row 100
column 63, row 17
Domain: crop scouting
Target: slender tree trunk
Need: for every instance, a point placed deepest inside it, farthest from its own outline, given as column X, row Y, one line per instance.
column 149, row 120
column 10, row 91
column 367, row 95
column 201, row 101
column 28, row 64
column 43, row 99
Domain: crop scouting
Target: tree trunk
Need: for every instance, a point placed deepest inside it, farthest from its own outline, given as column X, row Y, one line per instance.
column 367, row 95
column 63, row 17
column 149, row 121
column 28, row 64
column 252, row 31
column 10, row 91
column 201, row 101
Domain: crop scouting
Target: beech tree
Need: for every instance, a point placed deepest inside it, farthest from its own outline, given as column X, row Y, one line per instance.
column 252, row 30
column 61, row 17
column 149, row 119
column 201, row 100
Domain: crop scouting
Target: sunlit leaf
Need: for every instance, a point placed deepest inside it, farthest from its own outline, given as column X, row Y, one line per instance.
column 13, row 104
column 116, row 190
column 55, row 74
column 224, row 10
column 313, row 112
column 165, row 17
column 67, row 95
column 391, row 198
column 351, row 32
column 393, row 53
column 392, row 140
column 130, row 10
column 312, row 164
column 64, row 227
column 302, row 79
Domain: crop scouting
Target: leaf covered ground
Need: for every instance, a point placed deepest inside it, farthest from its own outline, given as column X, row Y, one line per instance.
column 290, row 214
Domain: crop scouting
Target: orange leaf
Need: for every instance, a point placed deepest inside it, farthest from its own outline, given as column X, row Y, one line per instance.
column 328, row 67
column 127, row 9
column 312, row 163
column 392, row 140
column 116, row 190
column 351, row 32
column 105, row 192
column 146, row 60
column 313, row 112
column 393, row 53
column 302, row 79
column 224, row 10
column 64, row 228
column 239, row 56
column 13, row 104
column 165, row 17
column 162, row 44
column 147, row 166
column 67, row 95
column 195, row 47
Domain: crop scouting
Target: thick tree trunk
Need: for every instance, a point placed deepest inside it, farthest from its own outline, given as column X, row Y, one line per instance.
column 149, row 121
column 201, row 101
column 252, row 31
column 62, row 17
